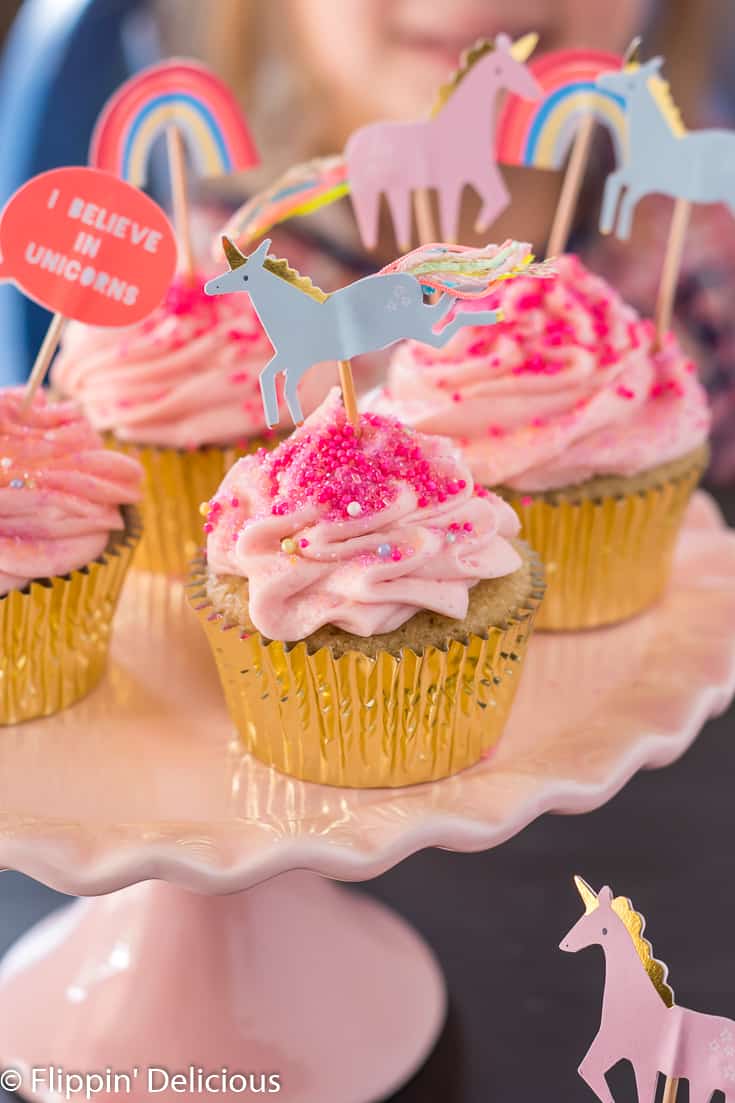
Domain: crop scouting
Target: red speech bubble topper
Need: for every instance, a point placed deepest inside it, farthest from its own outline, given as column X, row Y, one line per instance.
column 86, row 245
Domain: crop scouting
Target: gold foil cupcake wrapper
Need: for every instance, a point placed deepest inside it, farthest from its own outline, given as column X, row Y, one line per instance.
column 176, row 482
column 55, row 633
column 368, row 722
column 606, row 559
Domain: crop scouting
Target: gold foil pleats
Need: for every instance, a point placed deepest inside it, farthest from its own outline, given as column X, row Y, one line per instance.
column 606, row 559
column 365, row 722
column 55, row 633
column 176, row 482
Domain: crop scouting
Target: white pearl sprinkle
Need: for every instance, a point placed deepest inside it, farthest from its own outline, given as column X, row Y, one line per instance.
column 354, row 509
column 451, row 537
column 6, row 462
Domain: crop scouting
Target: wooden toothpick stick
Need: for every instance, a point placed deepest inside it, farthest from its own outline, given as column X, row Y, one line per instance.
column 573, row 177
column 347, row 384
column 180, row 197
column 670, row 1089
column 43, row 359
column 425, row 224
column 671, row 268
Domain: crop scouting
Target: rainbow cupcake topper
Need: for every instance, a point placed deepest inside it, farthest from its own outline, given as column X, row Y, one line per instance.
column 539, row 134
column 176, row 93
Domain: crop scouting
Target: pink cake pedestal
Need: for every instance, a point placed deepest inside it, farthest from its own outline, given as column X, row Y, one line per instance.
column 296, row 978
column 144, row 782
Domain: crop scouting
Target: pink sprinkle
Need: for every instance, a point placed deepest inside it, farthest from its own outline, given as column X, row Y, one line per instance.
column 396, row 555
column 624, row 392
column 461, row 484
column 456, row 397
column 526, row 500
column 303, row 542
column 208, row 527
column 234, row 502
column 467, row 526
column 423, row 502
column 529, row 302
column 239, row 377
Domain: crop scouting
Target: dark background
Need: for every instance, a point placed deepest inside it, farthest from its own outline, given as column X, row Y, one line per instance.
column 522, row 1014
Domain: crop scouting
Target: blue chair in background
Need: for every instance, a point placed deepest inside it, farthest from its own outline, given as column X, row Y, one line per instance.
column 62, row 60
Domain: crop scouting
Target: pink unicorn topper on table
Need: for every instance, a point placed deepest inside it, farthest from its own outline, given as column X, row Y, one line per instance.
column 640, row 1020
column 448, row 151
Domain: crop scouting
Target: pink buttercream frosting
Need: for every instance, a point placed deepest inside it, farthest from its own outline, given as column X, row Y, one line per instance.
column 187, row 376
column 567, row 387
column 358, row 531
column 60, row 489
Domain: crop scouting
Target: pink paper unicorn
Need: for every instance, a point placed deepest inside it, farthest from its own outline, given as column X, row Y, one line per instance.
column 448, row 151
column 640, row 1021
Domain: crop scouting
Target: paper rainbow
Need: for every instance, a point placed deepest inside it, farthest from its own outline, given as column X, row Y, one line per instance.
column 539, row 134
column 179, row 93
column 303, row 188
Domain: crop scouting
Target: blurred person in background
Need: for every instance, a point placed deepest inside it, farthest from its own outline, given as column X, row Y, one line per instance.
column 310, row 71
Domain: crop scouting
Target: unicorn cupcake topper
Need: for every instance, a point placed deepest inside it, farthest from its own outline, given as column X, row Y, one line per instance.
column 661, row 156
column 306, row 326
column 449, row 150
column 640, row 1020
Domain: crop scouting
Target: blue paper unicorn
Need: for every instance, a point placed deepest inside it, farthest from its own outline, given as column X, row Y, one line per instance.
column 660, row 156
column 306, row 326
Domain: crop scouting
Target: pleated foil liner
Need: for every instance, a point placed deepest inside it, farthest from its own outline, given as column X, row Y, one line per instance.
column 55, row 632
column 176, row 483
column 608, row 558
column 368, row 722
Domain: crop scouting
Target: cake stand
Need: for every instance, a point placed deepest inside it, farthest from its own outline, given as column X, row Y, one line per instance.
column 141, row 792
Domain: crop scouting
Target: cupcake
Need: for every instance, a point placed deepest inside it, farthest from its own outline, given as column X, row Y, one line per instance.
column 569, row 411
column 180, row 392
column 67, row 535
column 367, row 606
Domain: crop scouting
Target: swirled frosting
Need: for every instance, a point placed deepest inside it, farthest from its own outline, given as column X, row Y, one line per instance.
column 187, row 376
column 359, row 531
column 60, row 489
column 568, row 387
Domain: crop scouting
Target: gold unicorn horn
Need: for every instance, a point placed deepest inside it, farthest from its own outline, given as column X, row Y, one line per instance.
column 235, row 259
column 588, row 894
column 523, row 47
column 632, row 55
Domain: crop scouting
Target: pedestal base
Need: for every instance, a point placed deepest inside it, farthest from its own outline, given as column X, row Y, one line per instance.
column 296, row 979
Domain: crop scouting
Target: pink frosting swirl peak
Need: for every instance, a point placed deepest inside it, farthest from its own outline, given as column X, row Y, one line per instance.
column 60, row 489
column 360, row 531
column 567, row 387
column 187, row 376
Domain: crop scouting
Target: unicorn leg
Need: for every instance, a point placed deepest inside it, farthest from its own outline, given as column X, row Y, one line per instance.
column 593, row 1074
column 292, row 378
column 625, row 217
column 366, row 205
column 646, row 1080
column 478, row 318
column 449, row 196
column 613, row 187
column 399, row 202
column 268, row 391
column 495, row 198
